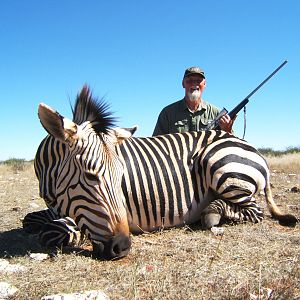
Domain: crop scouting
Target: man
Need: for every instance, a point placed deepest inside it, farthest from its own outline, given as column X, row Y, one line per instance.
column 191, row 113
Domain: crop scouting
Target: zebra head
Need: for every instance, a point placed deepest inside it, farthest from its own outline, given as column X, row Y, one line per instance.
column 88, row 173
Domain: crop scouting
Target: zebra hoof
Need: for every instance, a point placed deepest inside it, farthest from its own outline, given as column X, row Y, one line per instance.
column 210, row 220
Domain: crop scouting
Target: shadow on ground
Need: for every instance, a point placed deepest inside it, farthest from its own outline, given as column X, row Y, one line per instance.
column 16, row 242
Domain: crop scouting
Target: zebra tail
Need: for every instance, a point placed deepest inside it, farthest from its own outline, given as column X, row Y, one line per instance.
column 277, row 214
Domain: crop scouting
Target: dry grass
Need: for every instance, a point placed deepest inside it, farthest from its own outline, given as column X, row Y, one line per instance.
column 284, row 163
column 184, row 263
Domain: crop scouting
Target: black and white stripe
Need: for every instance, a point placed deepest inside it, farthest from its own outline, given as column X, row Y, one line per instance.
column 170, row 179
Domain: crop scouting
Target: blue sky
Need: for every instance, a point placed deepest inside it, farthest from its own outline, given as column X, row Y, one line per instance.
column 134, row 54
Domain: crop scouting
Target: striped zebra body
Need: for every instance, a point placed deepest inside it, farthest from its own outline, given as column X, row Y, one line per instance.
column 99, row 182
column 169, row 180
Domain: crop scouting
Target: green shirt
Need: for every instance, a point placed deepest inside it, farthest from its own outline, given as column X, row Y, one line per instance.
column 176, row 117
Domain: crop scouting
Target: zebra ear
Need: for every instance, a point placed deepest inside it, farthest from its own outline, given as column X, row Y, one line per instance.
column 121, row 134
column 55, row 124
column 132, row 130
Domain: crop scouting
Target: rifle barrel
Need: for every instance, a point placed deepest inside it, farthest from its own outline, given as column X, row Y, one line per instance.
column 215, row 123
column 271, row 75
column 238, row 108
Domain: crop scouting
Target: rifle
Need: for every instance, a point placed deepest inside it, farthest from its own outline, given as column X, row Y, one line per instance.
column 215, row 123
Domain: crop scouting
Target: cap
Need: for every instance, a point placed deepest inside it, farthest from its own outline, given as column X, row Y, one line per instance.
column 193, row 70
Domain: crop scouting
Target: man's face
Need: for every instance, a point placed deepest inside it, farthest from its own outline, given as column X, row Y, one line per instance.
column 194, row 85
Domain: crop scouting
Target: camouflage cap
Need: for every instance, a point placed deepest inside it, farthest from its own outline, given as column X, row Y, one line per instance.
column 193, row 70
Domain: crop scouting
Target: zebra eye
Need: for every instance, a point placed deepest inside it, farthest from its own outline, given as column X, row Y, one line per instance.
column 91, row 176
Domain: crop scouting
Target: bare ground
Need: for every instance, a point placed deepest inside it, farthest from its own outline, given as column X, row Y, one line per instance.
column 249, row 261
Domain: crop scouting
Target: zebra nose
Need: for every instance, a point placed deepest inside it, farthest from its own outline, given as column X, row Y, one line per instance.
column 116, row 248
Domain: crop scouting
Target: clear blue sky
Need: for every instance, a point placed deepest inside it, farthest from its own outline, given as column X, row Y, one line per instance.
column 135, row 52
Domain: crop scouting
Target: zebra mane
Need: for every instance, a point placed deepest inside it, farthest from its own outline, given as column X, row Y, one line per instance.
column 88, row 108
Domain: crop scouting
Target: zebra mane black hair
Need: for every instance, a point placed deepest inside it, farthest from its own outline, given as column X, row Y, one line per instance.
column 88, row 108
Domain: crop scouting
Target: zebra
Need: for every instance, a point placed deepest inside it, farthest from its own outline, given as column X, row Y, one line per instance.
column 101, row 183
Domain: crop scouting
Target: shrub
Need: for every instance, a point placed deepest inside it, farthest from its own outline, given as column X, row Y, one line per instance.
column 270, row 152
column 16, row 164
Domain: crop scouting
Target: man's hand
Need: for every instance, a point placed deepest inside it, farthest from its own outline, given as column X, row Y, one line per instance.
column 226, row 123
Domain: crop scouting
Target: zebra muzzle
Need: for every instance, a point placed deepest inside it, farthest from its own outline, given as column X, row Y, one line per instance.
column 115, row 248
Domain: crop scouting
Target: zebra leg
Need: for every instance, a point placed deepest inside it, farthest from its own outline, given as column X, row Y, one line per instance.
column 210, row 216
column 220, row 210
column 33, row 222
column 251, row 212
column 61, row 232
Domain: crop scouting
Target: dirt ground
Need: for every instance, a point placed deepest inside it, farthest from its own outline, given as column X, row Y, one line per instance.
column 248, row 261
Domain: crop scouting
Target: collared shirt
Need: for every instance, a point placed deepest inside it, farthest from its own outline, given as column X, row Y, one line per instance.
column 176, row 117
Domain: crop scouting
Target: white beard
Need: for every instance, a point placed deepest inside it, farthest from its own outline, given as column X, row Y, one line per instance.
column 194, row 95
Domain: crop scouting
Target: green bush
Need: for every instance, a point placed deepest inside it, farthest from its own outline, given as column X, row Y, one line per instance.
column 16, row 164
column 270, row 152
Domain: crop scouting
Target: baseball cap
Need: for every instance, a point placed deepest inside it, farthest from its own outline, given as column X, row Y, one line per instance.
column 193, row 70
